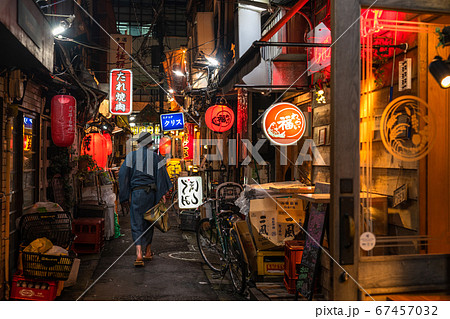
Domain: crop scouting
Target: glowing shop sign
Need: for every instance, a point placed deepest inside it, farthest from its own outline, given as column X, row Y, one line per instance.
column 172, row 121
column 121, row 92
column 190, row 192
column 284, row 124
column 319, row 58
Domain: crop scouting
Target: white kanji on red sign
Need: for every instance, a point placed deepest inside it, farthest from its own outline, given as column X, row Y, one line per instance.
column 120, row 92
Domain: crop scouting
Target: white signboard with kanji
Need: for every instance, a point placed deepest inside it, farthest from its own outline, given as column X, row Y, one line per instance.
column 190, row 192
column 120, row 49
column 121, row 92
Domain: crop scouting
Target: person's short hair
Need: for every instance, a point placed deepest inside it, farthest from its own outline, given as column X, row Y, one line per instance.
column 145, row 138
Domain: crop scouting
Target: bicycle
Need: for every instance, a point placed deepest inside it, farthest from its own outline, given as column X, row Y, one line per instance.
column 219, row 245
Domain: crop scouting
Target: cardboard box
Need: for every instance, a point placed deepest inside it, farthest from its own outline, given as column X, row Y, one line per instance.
column 72, row 280
column 275, row 221
column 247, row 244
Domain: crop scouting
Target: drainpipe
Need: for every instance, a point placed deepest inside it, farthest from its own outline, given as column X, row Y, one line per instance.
column 284, row 20
column 7, row 198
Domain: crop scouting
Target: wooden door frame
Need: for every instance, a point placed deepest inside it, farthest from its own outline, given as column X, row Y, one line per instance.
column 345, row 119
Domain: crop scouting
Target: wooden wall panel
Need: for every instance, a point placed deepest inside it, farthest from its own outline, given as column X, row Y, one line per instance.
column 438, row 182
column 382, row 274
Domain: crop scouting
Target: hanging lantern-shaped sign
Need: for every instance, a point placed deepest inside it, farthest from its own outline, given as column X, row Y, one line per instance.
column 64, row 109
column 94, row 144
column 108, row 140
column 219, row 118
column 165, row 145
column 284, row 124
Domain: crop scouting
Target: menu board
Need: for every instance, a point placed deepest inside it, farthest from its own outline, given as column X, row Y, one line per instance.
column 307, row 269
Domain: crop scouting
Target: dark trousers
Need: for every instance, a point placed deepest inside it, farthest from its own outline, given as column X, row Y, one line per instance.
column 141, row 201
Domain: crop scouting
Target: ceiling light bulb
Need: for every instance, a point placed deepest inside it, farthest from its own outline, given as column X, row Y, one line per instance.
column 212, row 61
column 178, row 73
column 171, row 91
column 132, row 118
column 132, row 124
column 58, row 30
column 445, row 83
column 320, row 92
column 440, row 70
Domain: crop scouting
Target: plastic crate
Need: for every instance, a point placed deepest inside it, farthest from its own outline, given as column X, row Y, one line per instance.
column 56, row 226
column 46, row 267
column 89, row 235
column 89, row 230
column 86, row 248
column 290, row 284
column 293, row 251
column 189, row 220
column 270, row 263
column 90, row 210
column 33, row 289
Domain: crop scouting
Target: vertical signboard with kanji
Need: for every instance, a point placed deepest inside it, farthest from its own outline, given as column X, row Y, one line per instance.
column 188, row 142
column 121, row 92
column 120, row 47
column 190, row 193
column 319, row 58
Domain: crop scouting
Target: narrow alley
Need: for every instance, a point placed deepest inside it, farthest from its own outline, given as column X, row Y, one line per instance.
column 177, row 271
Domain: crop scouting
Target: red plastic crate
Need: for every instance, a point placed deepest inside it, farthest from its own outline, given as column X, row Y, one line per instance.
column 89, row 234
column 86, row 248
column 293, row 251
column 290, row 283
column 24, row 289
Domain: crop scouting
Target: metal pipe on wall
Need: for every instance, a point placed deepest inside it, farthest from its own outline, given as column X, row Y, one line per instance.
column 7, row 197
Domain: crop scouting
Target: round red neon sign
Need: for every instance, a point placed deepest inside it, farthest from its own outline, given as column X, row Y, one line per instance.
column 284, row 124
column 219, row 118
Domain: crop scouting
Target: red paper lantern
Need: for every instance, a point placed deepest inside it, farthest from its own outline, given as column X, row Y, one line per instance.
column 64, row 109
column 219, row 118
column 108, row 143
column 94, row 144
column 165, row 145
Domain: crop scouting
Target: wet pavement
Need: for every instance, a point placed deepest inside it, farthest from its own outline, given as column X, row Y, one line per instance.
column 175, row 273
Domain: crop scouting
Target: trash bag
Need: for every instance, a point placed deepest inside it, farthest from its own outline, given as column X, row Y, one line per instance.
column 117, row 233
column 57, row 251
column 158, row 216
column 40, row 246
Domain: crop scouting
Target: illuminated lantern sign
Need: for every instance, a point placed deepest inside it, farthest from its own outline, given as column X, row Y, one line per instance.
column 284, row 124
column 172, row 121
column 188, row 142
column 190, row 194
column 94, row 144
column 108, row 143
column 27, row 142
column 121, row 92
column 63, row 114
column 219, row 118
column 165, row 145
column 319, row 58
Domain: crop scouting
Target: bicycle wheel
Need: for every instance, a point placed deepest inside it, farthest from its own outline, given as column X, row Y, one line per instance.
column 209, row 245
column 237, row 264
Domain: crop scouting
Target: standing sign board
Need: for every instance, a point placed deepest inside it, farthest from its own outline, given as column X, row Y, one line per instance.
column 172, row 121
column 284, row 124
column 121, row 92
column 311, row 252
column 190, row 192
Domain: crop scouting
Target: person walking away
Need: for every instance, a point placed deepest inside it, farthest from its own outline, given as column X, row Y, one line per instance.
column 141, row 186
